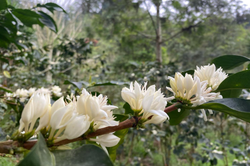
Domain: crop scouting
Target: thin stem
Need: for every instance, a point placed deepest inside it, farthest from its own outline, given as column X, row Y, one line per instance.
column 59, row 132
column 51, row 133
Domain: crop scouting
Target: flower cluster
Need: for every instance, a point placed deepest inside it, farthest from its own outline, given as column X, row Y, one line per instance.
column 76, row 116
column 148, row 103
column 24, row 94
column 69, row 120
column 198, row 89
column 212, row 76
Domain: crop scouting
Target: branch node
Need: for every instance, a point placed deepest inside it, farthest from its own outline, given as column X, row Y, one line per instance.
column 136, row 121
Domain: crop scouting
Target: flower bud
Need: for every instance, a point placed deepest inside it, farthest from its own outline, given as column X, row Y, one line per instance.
column 106, row 140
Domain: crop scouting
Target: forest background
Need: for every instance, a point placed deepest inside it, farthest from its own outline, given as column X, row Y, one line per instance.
column 103, row 45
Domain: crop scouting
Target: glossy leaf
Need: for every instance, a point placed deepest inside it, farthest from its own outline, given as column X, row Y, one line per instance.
column 109, row 83
column 78, row 85
column 176, row 117
column 232, row 106
column 229, row 61
column 27, row 17
column 48, row 21
column 128, row 109
column 120, row 117
column 234, row 93
column 51, row 7
column 86, row 155
column 236, row 81
column 3, row 4
column 39, row 155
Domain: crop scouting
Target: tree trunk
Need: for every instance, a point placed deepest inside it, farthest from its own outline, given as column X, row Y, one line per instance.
column 158, row 35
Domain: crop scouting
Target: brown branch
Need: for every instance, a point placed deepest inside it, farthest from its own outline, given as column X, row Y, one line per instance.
column 151, row 17
column 9, row 146
column 182, row 30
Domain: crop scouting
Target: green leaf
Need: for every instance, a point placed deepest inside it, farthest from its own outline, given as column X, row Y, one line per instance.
column 112, row 150
column 235, row 93
column 109, row 83
column 188, row 72
column 229, row 61
column 51, row 7
column 120, row 117
column 128, row 109
column 5, row 89
column 39, row 155
column 176, row 117
column 236, row 81
column 232, row 106
column 48, row 21
column 86, row 155
column 176, row 5
column 27, row 17
column 76, row 84
column 6, row 74
column 3, row 4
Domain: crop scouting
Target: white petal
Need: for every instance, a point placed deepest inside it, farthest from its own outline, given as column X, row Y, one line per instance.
column 57, row 105
column 77, row 127
column 146, row 102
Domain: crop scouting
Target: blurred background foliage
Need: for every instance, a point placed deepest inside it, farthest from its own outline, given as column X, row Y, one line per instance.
column 102, row 45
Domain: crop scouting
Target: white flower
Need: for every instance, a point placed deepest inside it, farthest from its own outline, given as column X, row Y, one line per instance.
column 153, row 106
column 189, row 90
column 22, row 94
column 184, row 88
column 75, row 128
column 9, row 96
column 217, row 152
column 134, row 96
column 89, row 105
column 31, row 91
column 211, row 75
column 61, row 117
column 106, row 140
column 27, row 116
column 37, row 107
column 57, row 105
column 56, row 90
column 96, row 108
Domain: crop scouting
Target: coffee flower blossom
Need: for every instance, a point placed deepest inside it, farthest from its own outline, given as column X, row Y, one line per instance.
column 37, row 107
column 134, row 96
column 97, row 109
column 211, row 75
column 153, row 105
column 191, row 91
column 69, row 120
column 146, row 102
column 31, row 91
column 56, row 90
column 22, row 94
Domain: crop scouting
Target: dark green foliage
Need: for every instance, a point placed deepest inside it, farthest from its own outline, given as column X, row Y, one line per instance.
column 12, row 20
column 176, row 117
column 39, row 155
column 86, row 155
column 229, row 61
column 232, row 106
